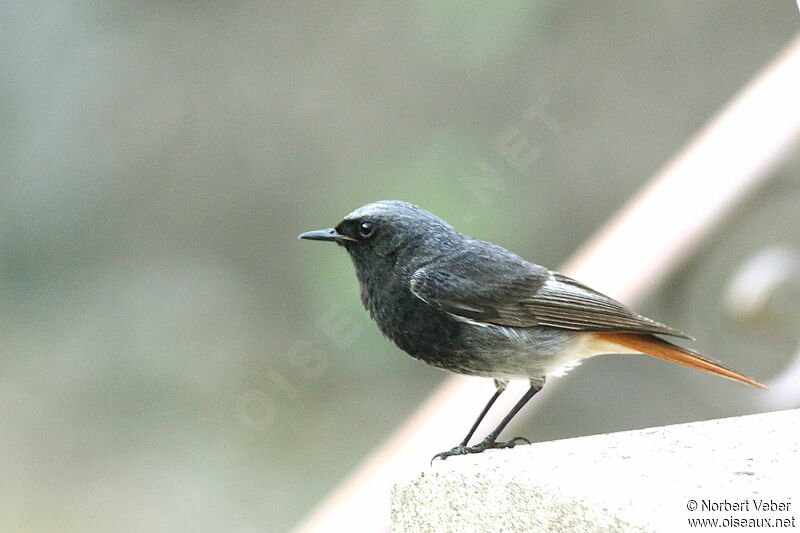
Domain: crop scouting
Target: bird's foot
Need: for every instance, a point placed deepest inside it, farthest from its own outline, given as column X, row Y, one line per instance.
column 485, row 444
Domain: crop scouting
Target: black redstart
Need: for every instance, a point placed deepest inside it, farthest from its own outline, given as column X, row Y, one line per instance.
column 475, row 308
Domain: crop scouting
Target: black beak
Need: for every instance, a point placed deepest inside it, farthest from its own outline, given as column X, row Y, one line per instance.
column 329, row 234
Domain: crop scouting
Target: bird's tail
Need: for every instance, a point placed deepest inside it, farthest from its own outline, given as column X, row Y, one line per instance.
column 657, row 347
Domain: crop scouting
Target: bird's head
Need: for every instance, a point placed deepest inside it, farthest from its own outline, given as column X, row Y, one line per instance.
column 380, row 232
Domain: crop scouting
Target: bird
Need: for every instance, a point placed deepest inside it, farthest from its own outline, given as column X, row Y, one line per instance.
column 472, row 307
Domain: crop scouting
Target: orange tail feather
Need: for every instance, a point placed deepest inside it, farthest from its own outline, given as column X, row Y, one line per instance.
column 657, row 347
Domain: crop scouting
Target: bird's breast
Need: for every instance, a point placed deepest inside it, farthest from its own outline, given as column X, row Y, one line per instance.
column 415, row 327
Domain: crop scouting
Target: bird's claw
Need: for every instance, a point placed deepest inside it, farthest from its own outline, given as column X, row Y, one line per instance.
column 485, row 444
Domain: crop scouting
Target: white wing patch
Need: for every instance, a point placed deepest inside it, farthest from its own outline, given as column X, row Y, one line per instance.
column 463, row 319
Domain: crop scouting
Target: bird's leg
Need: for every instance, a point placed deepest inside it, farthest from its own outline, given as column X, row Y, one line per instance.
column 501, row 386
column 491, row 439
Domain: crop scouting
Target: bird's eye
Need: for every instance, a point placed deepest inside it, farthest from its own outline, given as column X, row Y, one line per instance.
column 366, row 229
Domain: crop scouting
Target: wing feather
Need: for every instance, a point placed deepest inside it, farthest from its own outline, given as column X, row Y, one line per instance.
column 506, row 290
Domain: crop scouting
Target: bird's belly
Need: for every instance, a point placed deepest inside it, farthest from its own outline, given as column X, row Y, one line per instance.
column 511, row 353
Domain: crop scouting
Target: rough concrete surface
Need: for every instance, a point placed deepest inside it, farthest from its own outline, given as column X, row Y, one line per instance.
column 742, row 468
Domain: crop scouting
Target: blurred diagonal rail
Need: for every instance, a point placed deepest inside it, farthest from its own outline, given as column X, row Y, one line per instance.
column 663, row 223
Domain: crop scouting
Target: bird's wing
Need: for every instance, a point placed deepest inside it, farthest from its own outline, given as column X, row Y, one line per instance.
column 505, row 290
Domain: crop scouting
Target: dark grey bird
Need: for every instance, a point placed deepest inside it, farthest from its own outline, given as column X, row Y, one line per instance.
column 473, row 307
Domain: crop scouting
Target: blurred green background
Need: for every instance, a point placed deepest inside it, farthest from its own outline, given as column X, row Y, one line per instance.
column 174, row 359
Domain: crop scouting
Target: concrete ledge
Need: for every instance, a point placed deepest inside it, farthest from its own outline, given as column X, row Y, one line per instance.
column 744, row 468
